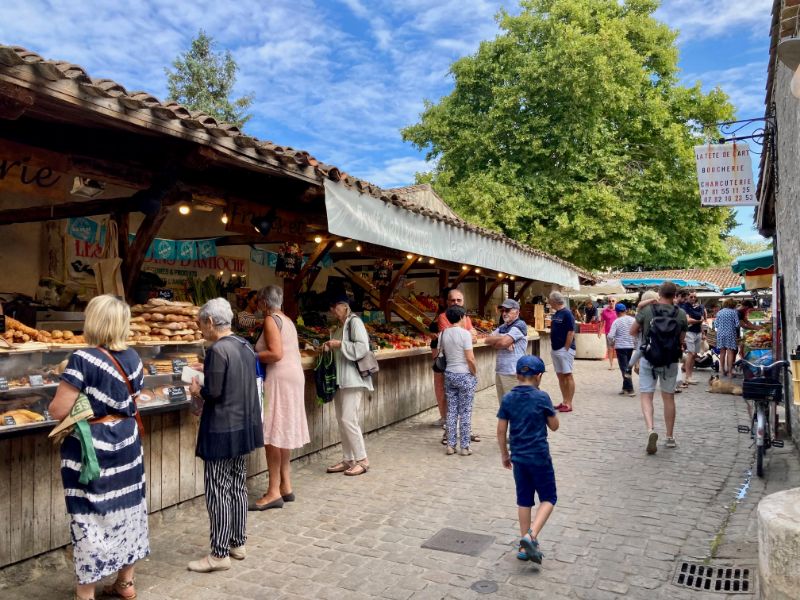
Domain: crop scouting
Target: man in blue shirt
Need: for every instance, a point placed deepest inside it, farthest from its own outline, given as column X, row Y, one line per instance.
column 526, row 412
column 696, row 316
column 562, row 341
column 510, row 340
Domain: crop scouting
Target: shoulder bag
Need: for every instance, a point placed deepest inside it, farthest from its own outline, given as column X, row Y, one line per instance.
column 440, row 362
column 367, row 365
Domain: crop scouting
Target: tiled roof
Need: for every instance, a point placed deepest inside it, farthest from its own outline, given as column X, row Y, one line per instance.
column 204, row 129
column 722, row 277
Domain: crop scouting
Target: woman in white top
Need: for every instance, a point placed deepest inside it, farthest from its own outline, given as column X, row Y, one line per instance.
column 460, row 379
column 350, row 343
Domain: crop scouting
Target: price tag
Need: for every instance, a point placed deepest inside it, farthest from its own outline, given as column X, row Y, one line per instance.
column 2, row 323
column 3, row 384
column 36, row 380
column 9, row 421
column 176, row 394
column 46, row 415
column 166, row 293
column 178, row 364
column 151, row 369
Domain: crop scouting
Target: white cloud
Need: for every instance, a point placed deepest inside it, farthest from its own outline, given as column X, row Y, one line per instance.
column 712, row 18
column 744, row 84
column 396, row 172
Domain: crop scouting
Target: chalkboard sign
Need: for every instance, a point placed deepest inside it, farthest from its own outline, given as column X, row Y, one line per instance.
column 2, row 323
column 178, row 364
column 166, row 293
column 3, row 384
column 176, row 394
column 8, row 421
column 152, row 369
column 36, row 380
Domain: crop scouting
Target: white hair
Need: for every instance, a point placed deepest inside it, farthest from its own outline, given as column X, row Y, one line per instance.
column 218, row 311
column 272, row 295
column 557, row 298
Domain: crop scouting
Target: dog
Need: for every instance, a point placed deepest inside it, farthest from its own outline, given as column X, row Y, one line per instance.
column 719, row 386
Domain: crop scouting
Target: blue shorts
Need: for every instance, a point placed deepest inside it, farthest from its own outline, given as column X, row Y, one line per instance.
column 538, row 479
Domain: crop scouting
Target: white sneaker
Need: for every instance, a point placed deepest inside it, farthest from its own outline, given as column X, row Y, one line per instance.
column 239, row 553
column 670, row 443
column 652, row 441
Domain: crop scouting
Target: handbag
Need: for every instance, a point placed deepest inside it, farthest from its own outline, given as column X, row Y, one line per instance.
column 367, row 365
column 325, row 377
column 108, row 269
column 440, row 362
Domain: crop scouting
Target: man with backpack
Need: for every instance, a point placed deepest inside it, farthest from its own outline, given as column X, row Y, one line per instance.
column 663, row 326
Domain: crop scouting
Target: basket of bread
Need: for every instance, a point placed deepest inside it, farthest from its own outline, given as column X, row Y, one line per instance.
column 163, row 320
column 18, row 333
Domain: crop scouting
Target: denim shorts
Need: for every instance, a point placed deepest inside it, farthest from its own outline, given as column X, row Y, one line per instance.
column 538, row 479
column 648, row 376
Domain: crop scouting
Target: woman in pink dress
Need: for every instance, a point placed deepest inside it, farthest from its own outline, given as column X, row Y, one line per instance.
column 285, row 425
column 607, row 317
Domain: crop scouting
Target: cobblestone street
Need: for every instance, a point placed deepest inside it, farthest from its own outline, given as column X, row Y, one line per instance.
column 622, row 523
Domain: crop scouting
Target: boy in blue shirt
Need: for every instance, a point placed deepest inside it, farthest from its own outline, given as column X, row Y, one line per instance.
column 528, row 412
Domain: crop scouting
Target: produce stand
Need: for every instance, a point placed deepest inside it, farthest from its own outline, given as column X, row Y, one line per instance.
column 206, row 210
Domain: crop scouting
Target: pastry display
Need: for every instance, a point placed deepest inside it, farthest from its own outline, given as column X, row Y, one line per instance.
column 21, row 416
column 164, row 321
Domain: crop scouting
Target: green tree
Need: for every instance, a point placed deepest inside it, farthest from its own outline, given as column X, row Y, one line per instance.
column 570, row 132
column 736, row 247
column 203, row 80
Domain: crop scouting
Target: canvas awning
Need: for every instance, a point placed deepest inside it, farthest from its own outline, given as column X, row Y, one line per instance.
column 366, row 218
column 753, row 262
column 681, row 283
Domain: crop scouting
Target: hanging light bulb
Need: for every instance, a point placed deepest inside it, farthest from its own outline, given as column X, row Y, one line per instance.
column 318, row 239
column 358, row 248
column 512, row 277
column 431, row 261
column 409, row 256
column 184, row 209
column 478, row 270
column 464, row 267
column 224, row 218
column 221, row 273
column 339, row 244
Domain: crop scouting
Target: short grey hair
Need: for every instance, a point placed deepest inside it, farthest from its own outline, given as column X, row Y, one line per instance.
column 272, row 296
column 219, row 312
column 557, row 298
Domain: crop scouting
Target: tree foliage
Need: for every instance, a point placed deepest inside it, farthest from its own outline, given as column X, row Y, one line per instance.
column 570, row 132
column 203, row 80
column 736, row 247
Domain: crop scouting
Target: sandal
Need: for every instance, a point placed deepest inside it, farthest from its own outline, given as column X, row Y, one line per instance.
column 339, row 467
column 475, row 437
column 357, row 469
column 115, row 590
column 444, row 439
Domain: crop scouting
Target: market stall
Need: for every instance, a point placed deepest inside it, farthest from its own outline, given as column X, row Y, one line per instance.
column 200, row 210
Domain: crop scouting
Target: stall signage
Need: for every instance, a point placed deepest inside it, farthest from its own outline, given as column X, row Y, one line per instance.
column 178, row 364
column 176, row 394
column 36, row 380
column 3, row 384
column 166, row 293
column 725, row 175
column 152, row 369
column 32, row 171
column 9, row 421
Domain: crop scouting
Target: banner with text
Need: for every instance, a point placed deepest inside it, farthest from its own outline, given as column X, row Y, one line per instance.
column 725, row 175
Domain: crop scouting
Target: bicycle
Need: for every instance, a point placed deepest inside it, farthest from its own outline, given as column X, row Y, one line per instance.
column 766, row 392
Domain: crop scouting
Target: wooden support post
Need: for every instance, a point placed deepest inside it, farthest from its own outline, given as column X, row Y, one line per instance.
column 444, row 276
column 495, row 284
column 511, row 287
column 388, row 291
column 522, row 291
column 322, row 248
column 461, row 276
column 291, row 288
column 481, row 295
column 144, row 237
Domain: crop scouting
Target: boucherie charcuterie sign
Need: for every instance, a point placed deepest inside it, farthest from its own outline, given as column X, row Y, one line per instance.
column 725, row 175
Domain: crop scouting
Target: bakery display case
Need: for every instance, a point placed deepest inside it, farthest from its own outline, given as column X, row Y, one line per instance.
column 29, row 378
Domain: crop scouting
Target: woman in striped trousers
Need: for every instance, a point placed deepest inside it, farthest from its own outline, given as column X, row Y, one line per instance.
column 230, row 428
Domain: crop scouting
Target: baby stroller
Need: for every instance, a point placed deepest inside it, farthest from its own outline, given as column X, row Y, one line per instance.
column 710, row 358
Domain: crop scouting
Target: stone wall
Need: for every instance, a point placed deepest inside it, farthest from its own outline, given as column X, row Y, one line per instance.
column 787, row 213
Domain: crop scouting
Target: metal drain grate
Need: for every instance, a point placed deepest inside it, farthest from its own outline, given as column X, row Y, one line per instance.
column 725, row 579
column 460, row 542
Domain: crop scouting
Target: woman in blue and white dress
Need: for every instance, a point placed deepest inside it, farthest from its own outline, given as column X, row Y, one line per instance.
column 108, row 516
column 727, row 326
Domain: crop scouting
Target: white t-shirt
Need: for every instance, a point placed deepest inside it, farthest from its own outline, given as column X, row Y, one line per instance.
column 453, row 342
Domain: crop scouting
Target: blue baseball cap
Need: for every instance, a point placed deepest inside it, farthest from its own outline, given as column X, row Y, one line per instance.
column 529, row 365
column 620, row 307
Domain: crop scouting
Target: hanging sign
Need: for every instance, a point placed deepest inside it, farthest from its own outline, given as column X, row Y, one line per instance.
column 725, row 175
column 33, row 171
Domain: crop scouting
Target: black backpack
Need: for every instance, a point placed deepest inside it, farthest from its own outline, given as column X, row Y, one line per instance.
column 663, row 344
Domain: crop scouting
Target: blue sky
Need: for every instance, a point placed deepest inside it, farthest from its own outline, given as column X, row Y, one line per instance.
column 339, row 78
